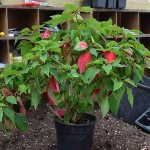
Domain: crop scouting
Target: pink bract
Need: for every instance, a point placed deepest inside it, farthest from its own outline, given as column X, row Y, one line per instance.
column 83, row 60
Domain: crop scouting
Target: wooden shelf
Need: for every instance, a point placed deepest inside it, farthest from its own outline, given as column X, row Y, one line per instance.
column 4, row 52
column 44, row 15
column 105, row 15
column 21, row 17
column 145, row 22
column 128, row 20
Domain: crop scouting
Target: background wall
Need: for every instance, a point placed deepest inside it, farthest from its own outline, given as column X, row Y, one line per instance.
column 131, row 4
column 138, row 4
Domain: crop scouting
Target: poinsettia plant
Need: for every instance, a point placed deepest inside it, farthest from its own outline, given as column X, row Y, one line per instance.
column 89, row 63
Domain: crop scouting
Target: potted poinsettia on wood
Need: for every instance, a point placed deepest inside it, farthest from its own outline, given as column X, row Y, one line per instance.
column 90, row 63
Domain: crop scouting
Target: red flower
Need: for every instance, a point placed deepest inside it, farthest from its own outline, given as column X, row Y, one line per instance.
column 49, row 98
column 6, row 91
column 60, row 112
column 110, row 57
column 82, row 45
column 83, row 60
column 53, row 84
column 22, row 108
column 98, row 75
column 46, row 34
column 95, row 93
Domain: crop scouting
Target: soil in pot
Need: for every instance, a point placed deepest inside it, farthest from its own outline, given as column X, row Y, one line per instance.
column 76, row 136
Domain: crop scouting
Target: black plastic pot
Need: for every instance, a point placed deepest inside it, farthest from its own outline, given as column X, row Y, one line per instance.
column 144, row 121
column 121, row 4
column 99, row 3
column 141, row 102
column 87, row 3
column 75, row 136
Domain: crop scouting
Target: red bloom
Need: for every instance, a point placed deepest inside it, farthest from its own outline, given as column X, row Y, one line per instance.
column 98, row 75
column 53, row 84
column 83, row 44
column 96, row 92
column 6, row 91
column 110, row 57
column 83, row 60
column 46, row 34
column 60, row 112
column 49, row 98
column 22, row 108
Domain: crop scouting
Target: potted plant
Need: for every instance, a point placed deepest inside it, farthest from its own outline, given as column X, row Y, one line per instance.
column 89, row 63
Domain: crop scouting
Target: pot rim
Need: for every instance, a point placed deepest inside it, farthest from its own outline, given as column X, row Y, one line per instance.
column 79, row 125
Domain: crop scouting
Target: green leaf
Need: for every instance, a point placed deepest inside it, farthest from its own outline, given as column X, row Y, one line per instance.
column 29, row 56
column 11, row 99
column 130, row 82
column 107, row 69
column 130, row 96
column 46, row 69
column 1, row 114
column 137, row 74
column 115, row 98
column 93, row 51
column 43, row 57
column 8, row 72
column 90, row 75
column 21, row 122
column 36, row 94
column 86, row 9
column 10, row 114
column 8, row 79
column 117, row 84
column 104, row 105
column 23, row 88
column 25, row 47
column 36, row 27
column 74, row 73
column 71, row 7
column 2, row 105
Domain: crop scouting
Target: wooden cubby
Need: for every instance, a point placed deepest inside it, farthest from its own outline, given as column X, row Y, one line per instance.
column 128, row 20
column 4, row 52
column 44, row 15
column 3, row 22
column 145, row 22
column 102, row 15
column 145, row 41
column 21, row 17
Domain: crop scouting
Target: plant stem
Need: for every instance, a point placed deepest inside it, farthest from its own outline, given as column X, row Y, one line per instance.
column 54, row 112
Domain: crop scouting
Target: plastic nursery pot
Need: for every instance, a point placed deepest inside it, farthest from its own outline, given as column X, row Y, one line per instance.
column 144, row 121
column 121, row 4
column 111, row 3
column 141, row 102
column 87, row 3
column 75, row 136
column 99, row 3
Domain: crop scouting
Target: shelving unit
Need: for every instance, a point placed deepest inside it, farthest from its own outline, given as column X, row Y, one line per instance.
column 21, row 17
